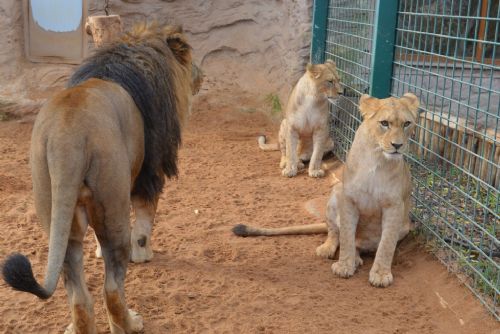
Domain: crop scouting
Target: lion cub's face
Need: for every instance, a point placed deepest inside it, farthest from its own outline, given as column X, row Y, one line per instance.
column 390, row 122
column 326, row 79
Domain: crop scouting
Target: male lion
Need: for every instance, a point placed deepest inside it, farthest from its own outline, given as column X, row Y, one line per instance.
column 303, row 134
column 369, row 210
column 98, row 146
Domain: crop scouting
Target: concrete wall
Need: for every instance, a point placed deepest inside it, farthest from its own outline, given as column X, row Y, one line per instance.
column 254, row 47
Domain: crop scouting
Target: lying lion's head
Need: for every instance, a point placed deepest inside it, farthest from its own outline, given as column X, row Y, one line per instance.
column 326, row 78
column 390, row 122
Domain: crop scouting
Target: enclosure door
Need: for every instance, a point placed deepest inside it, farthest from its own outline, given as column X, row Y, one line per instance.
column 55, row 30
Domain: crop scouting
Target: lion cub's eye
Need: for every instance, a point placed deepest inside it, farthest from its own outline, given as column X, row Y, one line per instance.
column 384, row 123
column 407, row 124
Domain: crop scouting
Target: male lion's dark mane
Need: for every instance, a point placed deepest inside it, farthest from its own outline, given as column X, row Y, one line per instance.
column 143, row 67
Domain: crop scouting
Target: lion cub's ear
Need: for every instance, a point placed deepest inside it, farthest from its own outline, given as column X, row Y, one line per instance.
column 412, row 102
column 368, row 106
column 330, row 63
column 314, row 70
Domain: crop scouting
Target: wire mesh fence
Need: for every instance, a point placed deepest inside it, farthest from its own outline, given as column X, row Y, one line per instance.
column 447, row 52
column 349, row 44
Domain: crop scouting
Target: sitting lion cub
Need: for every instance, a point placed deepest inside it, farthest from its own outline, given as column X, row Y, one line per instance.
column 369, row 210
column 304, row 130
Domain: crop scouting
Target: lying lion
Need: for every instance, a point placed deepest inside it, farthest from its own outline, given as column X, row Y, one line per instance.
column 369, row 210
column 103, row 144
column 303, row 134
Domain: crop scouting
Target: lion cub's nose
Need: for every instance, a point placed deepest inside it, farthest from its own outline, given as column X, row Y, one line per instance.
column 396, row 146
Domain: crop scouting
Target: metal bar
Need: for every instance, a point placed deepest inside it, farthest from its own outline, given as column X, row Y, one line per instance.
column 383, row 50
column 455, row 171
column 451, row 16
column 482, row 26
column 320, row 14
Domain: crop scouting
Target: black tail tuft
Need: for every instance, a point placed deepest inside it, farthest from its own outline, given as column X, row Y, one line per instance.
column 240, row 230
column 17, row 273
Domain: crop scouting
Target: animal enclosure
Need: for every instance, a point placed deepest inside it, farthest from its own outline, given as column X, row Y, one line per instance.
column 448, row 54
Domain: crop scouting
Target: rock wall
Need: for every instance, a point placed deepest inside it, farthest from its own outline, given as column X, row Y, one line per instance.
column 252, row 47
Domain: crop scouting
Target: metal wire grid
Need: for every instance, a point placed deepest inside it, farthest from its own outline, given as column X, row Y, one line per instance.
column 349, row 44
column 447, row 52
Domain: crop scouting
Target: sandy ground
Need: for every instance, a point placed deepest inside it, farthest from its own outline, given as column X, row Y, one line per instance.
column 205, row 280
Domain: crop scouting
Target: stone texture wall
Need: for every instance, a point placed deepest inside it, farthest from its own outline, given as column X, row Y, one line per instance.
column 253, row 47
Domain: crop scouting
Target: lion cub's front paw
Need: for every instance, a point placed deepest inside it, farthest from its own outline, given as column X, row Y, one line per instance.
column 289, row 172
column 70, row 329
column 343, row 269
column 381, row 278
column 316, row 173
column 283, row 163
column 326, row 250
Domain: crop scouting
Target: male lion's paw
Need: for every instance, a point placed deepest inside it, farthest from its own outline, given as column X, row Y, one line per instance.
column 141, row 250
column 343, row 269
column 316, row 173
column 380, row 278
column 70, row 329
column 289, row 172
column 98, row 251
column 326, row 250
column 135, row 321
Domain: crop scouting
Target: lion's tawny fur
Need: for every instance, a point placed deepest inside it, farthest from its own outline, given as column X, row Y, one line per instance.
column 303, row 134
column 97, row 147
column 369, row 210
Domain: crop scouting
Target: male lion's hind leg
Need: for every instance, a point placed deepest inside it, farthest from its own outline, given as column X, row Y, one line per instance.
column 140, row 238
column 121, row 320
column 82, row 310
column 112, row 226
column 115, row 251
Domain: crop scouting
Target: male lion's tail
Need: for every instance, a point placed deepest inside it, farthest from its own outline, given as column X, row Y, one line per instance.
column 266, row 147
column 249, row 231
column 17, row 270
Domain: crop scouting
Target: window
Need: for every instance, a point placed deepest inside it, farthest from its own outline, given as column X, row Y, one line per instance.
column 54, row 30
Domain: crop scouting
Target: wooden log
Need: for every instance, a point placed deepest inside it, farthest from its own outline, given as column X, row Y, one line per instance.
column 104, row 29
column 470, row 143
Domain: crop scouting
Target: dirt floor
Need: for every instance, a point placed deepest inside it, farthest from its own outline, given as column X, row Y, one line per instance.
column 203, row 279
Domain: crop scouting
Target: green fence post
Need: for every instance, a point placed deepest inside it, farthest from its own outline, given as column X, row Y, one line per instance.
column 320, row 18
column 384, row 35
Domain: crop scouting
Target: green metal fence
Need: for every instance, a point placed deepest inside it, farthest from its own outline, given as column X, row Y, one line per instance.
column 447, row 52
